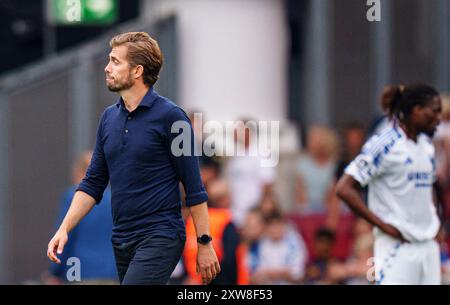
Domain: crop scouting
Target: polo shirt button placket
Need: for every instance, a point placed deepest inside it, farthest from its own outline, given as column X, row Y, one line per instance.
column 124, row 142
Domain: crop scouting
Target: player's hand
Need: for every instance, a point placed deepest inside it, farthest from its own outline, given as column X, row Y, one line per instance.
column 56, row 246
column 441, row 236
column 393, row 232
column 207, row 263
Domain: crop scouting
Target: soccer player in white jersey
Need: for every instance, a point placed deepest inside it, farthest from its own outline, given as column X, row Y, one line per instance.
column 398, row 166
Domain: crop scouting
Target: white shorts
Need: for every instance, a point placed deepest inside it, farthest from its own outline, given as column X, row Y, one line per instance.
column 398, row 263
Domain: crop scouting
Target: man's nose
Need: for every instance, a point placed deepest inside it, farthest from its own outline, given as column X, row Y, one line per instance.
column 107, row 70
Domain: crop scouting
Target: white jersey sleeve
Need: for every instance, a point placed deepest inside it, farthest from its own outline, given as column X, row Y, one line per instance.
column 372, row 162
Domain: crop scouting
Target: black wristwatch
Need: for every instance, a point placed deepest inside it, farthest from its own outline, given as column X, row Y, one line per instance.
column 204, row 239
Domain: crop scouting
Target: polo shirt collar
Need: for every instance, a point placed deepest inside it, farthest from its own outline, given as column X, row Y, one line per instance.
column 147, row 101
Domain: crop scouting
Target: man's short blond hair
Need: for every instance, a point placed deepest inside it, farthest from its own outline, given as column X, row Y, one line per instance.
column 142, row 50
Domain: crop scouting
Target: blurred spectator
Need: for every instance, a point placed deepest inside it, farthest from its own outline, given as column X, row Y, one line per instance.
column 282, row 254
column 354, row 136
column 249, row 181
column 269, row 205
column 210, row 170
column 361, row 227
column 442, row 141
column 356, row 270
column 197, row 120
column 442, row 144
column 316, row 171
column 317, row 269
column 251, row 234
column 90, row 240
column 225, row 240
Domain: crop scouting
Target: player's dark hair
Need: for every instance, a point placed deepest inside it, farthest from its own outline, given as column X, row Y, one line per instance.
column 398, row 101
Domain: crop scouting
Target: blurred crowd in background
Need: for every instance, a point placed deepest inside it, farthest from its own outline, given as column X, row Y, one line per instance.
column 315, row 240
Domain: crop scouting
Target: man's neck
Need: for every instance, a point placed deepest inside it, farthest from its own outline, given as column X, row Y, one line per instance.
column 410, row 131
column 132, row 97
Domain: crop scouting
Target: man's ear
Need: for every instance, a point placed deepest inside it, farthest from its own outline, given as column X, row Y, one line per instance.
column 139, row 71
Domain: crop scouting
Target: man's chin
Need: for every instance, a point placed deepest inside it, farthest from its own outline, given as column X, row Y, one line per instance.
column 113, row 89
column 119, row 86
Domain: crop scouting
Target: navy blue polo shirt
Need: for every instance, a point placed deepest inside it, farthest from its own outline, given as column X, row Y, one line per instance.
column 133, row 153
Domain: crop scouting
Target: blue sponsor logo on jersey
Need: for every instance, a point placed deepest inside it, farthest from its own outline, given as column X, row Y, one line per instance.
column 421, row 179
column 419, row 176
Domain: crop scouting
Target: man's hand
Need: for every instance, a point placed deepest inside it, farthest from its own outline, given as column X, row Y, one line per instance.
column 81, row 204
column 440, row 236
column 392, row 231
column 56, row 245
column 207, row 263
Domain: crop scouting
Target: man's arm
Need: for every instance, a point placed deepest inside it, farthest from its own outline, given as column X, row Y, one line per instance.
column 88, row 192
column 187, row 169
column 81, row 204
column 207, row 262
column 440, row 210
column 347, row 190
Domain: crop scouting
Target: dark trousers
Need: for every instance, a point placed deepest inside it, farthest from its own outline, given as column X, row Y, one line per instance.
column 149, row 261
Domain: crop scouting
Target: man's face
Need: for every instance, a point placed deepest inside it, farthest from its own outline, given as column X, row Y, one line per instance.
column 118, row 70
column 428, row 117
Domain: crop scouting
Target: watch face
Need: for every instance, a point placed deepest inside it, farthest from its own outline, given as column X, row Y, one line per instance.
column 205, row 239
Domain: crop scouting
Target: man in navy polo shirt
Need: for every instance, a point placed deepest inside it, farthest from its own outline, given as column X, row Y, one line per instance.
column 135, row 153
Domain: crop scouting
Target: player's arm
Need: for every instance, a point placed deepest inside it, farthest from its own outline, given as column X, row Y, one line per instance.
column 81, row 204
column 348, row 189
column 437, row 199
column 440, row 210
